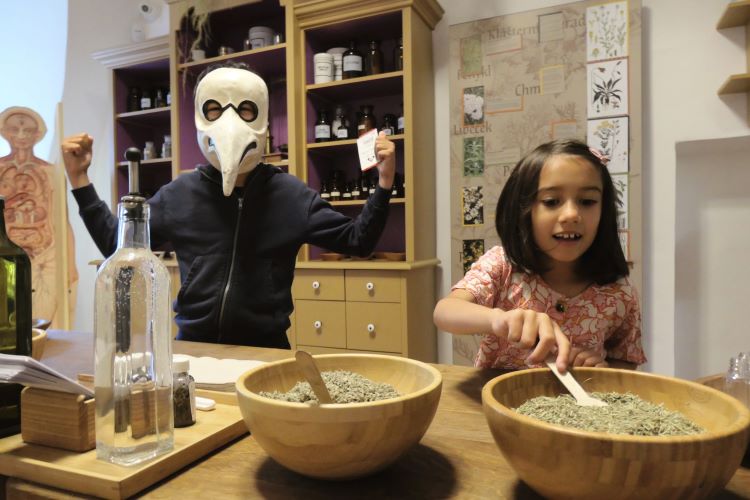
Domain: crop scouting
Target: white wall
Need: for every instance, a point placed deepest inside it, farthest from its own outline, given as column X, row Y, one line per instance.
column 95, row 25
column 679, row 104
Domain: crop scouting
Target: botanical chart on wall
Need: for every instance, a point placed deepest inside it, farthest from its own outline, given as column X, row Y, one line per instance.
column 523, row 79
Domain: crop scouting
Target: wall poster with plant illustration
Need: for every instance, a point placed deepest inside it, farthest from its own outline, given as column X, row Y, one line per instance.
column 519, row 80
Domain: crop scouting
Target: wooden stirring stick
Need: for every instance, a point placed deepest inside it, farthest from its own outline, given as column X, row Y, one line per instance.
column 310, row 370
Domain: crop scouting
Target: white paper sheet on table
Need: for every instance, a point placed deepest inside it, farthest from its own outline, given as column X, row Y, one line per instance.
column 31, row 373
column 218, row 374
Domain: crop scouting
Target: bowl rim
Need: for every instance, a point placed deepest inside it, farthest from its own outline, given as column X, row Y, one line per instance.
column 436, row 382
column 40, row 333
column 742, row 423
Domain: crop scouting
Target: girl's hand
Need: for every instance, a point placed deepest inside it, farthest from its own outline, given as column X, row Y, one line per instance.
column 533, row 330
column 591, row 357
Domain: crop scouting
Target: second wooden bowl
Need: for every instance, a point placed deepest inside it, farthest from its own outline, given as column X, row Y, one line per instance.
column 562, row 462
column 340, row 441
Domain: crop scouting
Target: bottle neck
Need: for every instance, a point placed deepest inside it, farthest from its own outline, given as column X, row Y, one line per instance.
column 133, row 231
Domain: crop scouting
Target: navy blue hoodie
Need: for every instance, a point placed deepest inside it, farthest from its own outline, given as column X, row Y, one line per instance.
column 237, row 254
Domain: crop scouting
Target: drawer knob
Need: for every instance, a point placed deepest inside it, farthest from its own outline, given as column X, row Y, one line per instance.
column 316, row 285
column 371, row 328
column 370, row 286
column 317, row 325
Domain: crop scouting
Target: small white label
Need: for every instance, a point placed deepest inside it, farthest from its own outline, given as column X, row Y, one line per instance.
column 388, row 131
column 325, row 196
column 342, row 133
column 322, row 131
column 347, row 195
column 145, row 102
column 335, row 193
column 366, row 149
column 401, row 123
column 355, row 193
column 352, row 63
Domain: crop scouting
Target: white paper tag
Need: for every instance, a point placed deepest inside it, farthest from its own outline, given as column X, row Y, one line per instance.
column 366, row 148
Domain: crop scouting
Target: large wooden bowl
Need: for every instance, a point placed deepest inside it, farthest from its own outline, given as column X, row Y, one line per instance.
column 340, row 441
column 561, row 462
column 38, row 341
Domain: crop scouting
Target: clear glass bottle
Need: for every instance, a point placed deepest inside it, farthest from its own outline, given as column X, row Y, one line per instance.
column 352, row 63
column 15, row 320
column 389, row 124
column 373, row 59
column 183, row 392
column 737, row 383
column 398, row 55
column 149, row 151
column 322, row 127
column 339, row 126
column 133, row 345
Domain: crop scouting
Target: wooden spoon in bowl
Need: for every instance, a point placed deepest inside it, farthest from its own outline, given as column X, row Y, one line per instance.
column 310, row 370
column 582, row 397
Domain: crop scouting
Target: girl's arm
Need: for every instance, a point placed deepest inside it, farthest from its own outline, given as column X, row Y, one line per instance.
column 459, row 313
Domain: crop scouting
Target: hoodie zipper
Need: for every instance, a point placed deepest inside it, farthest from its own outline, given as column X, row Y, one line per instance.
column 231, row 267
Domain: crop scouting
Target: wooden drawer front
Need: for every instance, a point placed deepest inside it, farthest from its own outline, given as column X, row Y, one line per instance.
column 320, row 323
column 367, row 286
column 383, row 319
column 319, row 284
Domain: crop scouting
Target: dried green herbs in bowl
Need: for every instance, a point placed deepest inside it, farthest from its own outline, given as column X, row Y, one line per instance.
column 564, row 461
column 345, row 439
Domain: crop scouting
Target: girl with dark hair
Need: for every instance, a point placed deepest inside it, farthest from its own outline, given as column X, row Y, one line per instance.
column 559, row 282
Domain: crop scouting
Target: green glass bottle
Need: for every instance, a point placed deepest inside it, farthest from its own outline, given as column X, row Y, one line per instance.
column 15, row 320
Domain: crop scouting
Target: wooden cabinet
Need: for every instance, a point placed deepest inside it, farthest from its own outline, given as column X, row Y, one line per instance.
column 737, row 14
column 334, row 308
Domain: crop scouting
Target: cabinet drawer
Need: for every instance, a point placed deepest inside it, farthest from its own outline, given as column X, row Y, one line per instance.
column 320, row 323
column 369, row 286
column 373, row 327
column 319, row 284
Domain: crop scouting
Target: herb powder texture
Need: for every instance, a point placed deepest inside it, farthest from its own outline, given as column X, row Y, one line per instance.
column 625, row 414
column 343, row 386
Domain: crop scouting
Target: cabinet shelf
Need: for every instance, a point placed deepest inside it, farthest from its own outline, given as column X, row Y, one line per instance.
column 271, row 60
column 352, row 203
column 735, row 84
column 346, row 142
column 379, row 85
column 155, row 161
column 735, row 14
column 146, row 117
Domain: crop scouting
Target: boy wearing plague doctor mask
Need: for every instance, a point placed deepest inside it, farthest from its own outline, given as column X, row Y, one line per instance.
column 236, row 224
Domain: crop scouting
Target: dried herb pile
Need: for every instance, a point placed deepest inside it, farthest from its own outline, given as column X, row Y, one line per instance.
column 344, row 387
column 626, row 414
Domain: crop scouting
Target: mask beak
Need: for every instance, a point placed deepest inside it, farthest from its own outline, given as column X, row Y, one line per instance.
column 235, row 147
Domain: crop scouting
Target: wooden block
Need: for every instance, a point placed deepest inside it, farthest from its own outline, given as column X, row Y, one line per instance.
column 57, row 419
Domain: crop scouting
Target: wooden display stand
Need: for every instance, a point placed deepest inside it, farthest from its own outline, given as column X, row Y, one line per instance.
column 57, row 419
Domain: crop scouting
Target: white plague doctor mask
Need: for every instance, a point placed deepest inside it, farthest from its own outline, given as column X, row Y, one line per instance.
column 231, row 118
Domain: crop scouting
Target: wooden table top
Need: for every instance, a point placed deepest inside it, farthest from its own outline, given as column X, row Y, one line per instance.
column 457, row 457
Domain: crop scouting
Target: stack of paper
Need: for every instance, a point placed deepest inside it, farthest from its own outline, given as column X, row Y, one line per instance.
column 30, row 372
column 218, row 374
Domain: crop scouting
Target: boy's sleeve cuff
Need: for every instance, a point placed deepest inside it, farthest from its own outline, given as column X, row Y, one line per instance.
column 85, row 196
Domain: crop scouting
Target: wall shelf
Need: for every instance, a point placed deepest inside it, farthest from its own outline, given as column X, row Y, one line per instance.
column 735, row 84
column 735, row 14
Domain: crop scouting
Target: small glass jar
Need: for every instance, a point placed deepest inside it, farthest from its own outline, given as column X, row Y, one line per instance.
column 183, row 392
column 366, row 120
column 146, row 102
column 168, row 97
column 149, row 151
column 159, row 99
column 373, row 59
column 322, row 127
column 347, row 194
column 336, row 185
column 325, row 194
column 351, row 62
column 400, row 121
column 339, row 126
column 398, row 55
column 389, row 124
column 357, row 188
column 134, row 99
column 166, row 147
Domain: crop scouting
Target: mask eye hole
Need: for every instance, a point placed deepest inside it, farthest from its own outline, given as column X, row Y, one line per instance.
column 212, row 110
column 247, row 110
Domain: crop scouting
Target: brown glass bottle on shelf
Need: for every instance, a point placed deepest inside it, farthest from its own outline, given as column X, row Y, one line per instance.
column 159, row 100
column 322, row 127
column 336, row 185
column 366, row 120
column 398, row 55
column 373, row 59
column 357, row 188
column 347, row 194
column 324, row 193
column 352, row 64
column 134, row 99
column 15, row 320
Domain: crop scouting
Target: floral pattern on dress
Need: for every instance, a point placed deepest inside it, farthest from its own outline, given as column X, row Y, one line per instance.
column 606, row 318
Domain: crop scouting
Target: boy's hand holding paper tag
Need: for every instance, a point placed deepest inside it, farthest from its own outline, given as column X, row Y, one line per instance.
column 376, row 150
